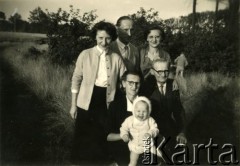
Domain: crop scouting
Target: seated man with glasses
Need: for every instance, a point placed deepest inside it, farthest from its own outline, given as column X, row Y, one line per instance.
column 167, row 109
column 119, row 110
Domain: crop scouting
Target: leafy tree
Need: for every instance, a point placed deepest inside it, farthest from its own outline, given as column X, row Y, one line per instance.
column 18, row 25
column 68, row 34
column 4, row 24
column 233, row 17
column 37, row 16
column 142, row 19
column 2, row 16
column 15, row 17
column 39, row 20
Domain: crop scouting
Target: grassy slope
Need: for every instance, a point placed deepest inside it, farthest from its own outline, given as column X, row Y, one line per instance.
column 51, row 84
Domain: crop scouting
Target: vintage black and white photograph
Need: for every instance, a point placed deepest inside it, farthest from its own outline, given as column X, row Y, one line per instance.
column 119, row 82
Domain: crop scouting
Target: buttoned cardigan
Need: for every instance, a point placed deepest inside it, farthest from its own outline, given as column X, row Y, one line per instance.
column 85, row 73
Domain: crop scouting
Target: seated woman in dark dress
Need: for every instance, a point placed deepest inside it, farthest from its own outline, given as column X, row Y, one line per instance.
column 119, row 109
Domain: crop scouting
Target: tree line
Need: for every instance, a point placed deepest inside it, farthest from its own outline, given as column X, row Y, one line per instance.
column 209, row 39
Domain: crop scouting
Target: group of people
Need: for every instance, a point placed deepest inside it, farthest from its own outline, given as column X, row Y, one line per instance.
column 121, row 94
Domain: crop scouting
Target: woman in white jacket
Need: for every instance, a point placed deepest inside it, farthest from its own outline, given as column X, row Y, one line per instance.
column 94, row 84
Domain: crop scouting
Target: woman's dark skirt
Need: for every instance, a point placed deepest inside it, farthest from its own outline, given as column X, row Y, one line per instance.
column 90, row 146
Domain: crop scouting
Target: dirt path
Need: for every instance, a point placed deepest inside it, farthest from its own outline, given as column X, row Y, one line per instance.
column 21, row 138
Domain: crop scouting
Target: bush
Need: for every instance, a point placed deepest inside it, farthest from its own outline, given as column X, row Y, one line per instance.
column 68, row 34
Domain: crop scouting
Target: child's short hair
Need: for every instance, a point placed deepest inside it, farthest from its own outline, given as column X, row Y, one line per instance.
column 145, row 100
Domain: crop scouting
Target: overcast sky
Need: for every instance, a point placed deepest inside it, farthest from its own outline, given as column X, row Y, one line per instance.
column 109, row 10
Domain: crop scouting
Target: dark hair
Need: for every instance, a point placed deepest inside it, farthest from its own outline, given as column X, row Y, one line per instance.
column 118, row 24
column 106, row 26
column 154, row 27
column 127, row 72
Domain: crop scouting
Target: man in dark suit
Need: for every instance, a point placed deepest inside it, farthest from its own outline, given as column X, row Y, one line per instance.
column 119, row 110
column 167, row 108
column 122, row 45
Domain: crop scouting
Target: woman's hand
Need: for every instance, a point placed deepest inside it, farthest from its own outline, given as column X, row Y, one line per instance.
column 175, row 85
column 73, row 112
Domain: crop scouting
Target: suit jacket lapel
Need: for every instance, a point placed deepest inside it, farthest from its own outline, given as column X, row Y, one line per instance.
column 156, row 94
column 124, row 101
column 168, row 89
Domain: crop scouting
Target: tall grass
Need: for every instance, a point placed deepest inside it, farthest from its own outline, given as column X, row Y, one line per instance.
column 198, row 85
column 51, row 83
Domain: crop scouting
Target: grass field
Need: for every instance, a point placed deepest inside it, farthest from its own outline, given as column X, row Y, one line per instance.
column 20, row 36
column 211, row 100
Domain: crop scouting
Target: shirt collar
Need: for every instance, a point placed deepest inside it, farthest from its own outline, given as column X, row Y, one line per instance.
column 164, row 85
column 102, row 52
column 130, row 104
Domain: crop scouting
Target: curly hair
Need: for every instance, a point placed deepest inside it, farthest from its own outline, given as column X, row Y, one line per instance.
column 104, row 26
column 154, row 27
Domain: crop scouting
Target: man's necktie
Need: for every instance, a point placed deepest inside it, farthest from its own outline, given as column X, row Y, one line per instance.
column 126, row 54
column 161, row 90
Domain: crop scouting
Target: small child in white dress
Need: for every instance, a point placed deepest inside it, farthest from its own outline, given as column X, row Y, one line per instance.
column 139, row 130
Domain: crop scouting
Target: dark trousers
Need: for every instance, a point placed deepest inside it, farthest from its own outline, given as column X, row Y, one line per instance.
column 90, row 145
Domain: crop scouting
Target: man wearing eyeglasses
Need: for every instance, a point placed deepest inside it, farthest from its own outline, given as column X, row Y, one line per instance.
column 167, row 108
column 119, row 110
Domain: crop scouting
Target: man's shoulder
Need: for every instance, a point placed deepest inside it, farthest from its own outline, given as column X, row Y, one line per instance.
column 114, row 54
column 170, row 81
column 133, row 47
column 113, row 45
column 148, row 86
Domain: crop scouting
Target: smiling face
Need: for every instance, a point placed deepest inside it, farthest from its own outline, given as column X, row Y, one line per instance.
column 103, row 39
column 154, row 38
column 131, row 85
column 141, row 110
column 124, row 31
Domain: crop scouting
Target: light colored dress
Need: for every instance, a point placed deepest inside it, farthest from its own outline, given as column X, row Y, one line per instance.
column 146, row 59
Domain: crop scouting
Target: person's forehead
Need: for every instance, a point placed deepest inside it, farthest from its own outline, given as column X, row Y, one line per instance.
column 154, row 31
column 141, row 104
column 160, row 65
column 131, row 77
column 126, row 23
column 102, row 33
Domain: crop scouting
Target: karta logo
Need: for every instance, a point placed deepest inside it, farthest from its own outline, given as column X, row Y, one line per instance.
column 181, row 153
